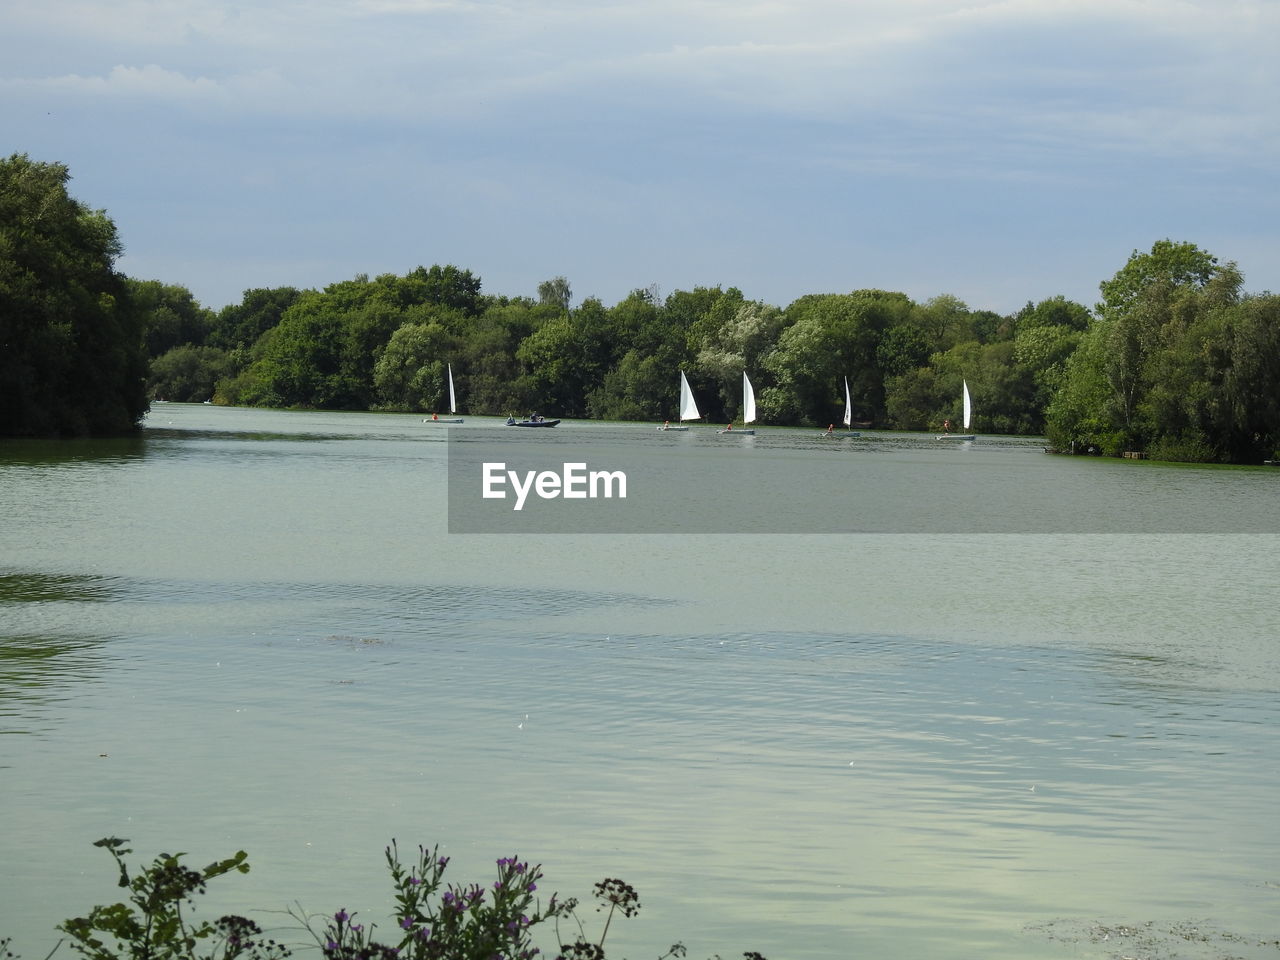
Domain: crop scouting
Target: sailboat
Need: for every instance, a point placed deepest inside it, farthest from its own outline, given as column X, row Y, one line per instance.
column 968, row 415
column 688, row 407
column 848, row 417
column 453, row 404
column 748, row 409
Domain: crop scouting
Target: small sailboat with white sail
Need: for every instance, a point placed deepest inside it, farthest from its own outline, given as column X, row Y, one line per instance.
column 967, row 405
column 688, row 407
column 748, row 410
column 453, row 404
column 848, row 417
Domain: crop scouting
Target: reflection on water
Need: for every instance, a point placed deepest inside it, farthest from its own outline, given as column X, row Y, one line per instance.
column 888, row 747
column 43, row 654
column 55, row 453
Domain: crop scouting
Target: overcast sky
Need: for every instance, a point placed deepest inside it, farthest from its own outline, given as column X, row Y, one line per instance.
column 997, row 151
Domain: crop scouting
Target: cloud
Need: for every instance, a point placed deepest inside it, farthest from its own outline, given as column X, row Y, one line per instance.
column 154, row 84
column 659, row 112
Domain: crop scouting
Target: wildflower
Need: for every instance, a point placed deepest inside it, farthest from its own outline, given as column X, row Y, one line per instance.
column 619, row 894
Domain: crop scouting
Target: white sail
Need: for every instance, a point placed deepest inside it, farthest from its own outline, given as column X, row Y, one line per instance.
column 848, row 405
column 748, row 400
column 453, row 402
column 968, row 405
column 688, row 408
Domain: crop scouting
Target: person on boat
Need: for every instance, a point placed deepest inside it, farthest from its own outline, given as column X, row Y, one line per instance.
column 831, row 428
column 946, row 426
column 435, row 416
column 728, row 427
column 666, row 424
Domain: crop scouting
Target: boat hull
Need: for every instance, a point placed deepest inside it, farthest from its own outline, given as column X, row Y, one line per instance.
column 841, row 433
column 534, row 423
column 443, row 420
column 737, row 433
column 957, row 436
column 673, row 429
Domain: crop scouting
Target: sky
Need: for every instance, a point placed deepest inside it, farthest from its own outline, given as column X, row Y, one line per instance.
column 998, row 151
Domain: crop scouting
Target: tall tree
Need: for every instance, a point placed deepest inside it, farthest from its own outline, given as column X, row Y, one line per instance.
column 72, row 361
column 555, row 292
column 172, row 317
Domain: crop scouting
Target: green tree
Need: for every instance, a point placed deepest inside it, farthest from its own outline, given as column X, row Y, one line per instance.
column 188, row 374
column 240, row 325
column 443, row 286
column 1044, row 351
column 555, row 292
column 1247, row 401
column 1147, row 344
column 72, row 360
column 741, row 343
column 410, row 374
column 830, row 337
column 1081, row 416
column 171, row 315
column 1056, row 311
column 490, row 373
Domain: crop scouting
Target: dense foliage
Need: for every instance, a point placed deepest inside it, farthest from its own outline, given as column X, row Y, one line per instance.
column 1178, row 362
column 385, row 344
column 72, row 360
column 1175, row 360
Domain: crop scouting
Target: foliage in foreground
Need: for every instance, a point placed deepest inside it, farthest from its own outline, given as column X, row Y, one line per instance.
column 435, row 920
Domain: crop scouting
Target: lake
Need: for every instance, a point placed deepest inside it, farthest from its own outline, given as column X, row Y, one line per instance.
column 869, row 730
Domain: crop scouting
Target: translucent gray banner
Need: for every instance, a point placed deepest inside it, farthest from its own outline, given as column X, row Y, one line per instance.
column 581, row 478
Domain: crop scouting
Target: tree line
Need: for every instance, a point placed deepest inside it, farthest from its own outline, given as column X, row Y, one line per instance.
column 1176, row 359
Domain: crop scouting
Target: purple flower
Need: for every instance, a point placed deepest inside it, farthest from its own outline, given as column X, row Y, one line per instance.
column 415, row 881
column 406, row 923
column 534, row 886
column 342, row 916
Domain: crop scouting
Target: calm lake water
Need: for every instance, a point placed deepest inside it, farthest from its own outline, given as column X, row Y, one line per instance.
column 252, row 630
